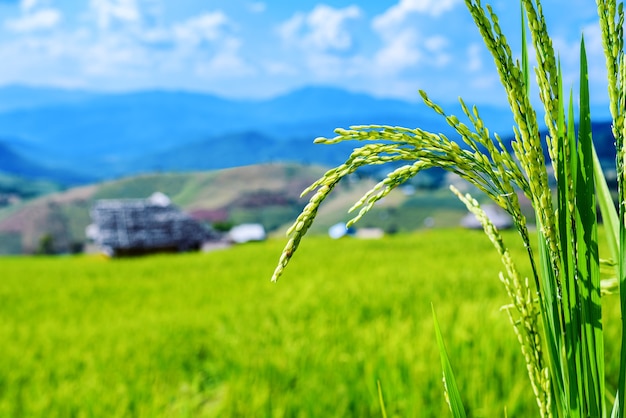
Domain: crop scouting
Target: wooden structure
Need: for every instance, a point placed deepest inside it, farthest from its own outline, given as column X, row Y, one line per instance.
column 139, row 226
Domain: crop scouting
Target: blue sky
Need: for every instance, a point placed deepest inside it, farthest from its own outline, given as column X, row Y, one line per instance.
column 255, row 49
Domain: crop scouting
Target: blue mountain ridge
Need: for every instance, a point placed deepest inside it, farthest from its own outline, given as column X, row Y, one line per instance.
column 102, row 135
column 14, row 163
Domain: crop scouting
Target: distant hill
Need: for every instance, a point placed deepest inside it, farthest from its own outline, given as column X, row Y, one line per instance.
column 267, row 194
column 15, row 163
column 14, row 97
column 243, row 148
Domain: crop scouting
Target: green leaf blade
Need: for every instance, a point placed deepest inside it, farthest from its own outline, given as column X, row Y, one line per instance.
column 453, row 394
column 591, row 333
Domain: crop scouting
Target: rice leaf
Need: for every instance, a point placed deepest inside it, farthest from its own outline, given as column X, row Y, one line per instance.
column 607, row 208
column 572, row 300
column 620, row 139
column 592, row 346
column 453, row 396
column 621, row 384
column 552, row 321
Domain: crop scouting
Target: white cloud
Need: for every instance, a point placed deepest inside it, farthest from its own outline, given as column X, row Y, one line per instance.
column 207, row 27
column 257, row 7
column 397, row 14
column 436, row 49
column 327, row 29
column 288, row 31
column 226, row 62
column 403, row 45
column 279, row 68
column 112, row 56
column 474, row 60
column 124, row 43
column 323, row 29
column 408, row 49
column 207, row 45
column 399, row 53
column 323, row 43
column 108, row 12
column 27, row 5
column 435, row 43
column 38, row 20
column 202, row 45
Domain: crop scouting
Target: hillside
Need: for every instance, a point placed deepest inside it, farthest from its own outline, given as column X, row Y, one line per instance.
column 268, row 194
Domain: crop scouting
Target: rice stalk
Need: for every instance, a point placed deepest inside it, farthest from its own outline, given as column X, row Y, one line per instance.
column 557, row 315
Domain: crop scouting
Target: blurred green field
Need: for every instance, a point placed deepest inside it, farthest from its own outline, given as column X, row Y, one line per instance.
column 204, row 335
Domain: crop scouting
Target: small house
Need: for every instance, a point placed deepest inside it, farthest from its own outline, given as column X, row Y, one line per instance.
column 140, row 226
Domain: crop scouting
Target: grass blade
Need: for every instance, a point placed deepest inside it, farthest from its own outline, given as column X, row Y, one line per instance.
column 552, row 321
column 525, row 65
column 621, row 392
column 453, row 396
column 610, row 218
column 381, row 400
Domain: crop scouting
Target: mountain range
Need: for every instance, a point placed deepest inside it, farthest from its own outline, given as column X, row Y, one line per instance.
column 75, row 137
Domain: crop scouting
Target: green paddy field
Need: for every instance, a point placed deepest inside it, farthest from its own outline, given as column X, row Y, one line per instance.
column 208, row 335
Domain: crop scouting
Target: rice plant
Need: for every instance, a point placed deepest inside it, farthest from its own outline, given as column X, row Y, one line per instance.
column 556, row 313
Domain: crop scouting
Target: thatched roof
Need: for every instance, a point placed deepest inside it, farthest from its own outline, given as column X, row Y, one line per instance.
column 123, row 226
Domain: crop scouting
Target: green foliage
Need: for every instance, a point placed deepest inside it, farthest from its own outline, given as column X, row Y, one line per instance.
column 453, row 396
column 46, row 244
column 223, row 226
column 197, row 335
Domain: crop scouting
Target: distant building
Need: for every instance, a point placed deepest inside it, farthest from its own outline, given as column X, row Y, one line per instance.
column 140, row 226
column 246, row 233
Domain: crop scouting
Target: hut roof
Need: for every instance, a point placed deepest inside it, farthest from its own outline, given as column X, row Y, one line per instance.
column 122, row 225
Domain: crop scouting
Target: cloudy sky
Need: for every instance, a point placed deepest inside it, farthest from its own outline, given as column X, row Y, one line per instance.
column 253, row 49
